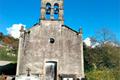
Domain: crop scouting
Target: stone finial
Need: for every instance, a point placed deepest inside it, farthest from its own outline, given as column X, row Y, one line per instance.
column 80, row 30
column 22, row 29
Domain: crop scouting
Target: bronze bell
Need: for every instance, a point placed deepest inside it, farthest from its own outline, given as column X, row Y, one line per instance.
column 48, row 10
column 56, row 10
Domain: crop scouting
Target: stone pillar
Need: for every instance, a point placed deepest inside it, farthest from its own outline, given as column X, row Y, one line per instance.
column 61, row 11
column 20, row 49
column 43, row 13
column 61, row 15
column 52, row 13
column 82, row 55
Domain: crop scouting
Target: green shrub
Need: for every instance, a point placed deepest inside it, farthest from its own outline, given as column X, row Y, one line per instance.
column 4, row 55
column 105, row 74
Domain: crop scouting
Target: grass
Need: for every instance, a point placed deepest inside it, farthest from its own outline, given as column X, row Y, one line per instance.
column 5, row 57
column 105, row 74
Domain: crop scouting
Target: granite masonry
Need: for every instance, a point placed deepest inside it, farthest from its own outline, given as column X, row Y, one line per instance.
column 50, row 49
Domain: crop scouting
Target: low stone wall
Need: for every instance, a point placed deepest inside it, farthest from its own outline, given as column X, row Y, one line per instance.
column 5, row 77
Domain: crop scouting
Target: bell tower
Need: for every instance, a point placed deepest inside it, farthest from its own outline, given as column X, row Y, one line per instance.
column 52, row 10
column 50, row 49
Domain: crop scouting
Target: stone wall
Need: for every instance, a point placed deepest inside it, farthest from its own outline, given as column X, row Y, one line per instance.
column 35, row 49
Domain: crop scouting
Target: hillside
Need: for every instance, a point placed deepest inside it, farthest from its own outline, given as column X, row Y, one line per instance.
column 8, row 47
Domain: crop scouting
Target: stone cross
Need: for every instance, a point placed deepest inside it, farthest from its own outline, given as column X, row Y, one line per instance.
column 28, row 72
column 22, row 29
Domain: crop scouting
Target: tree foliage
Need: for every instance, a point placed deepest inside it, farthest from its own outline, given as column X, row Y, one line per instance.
column 99, row 57
column 103, row 61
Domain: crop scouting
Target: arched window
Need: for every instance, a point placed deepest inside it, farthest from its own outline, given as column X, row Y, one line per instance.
column 56, row 11
column 48, row 10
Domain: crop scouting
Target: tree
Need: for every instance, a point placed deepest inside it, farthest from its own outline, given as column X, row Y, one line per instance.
column 1, row 35
column 106, row 55
column 104, row 35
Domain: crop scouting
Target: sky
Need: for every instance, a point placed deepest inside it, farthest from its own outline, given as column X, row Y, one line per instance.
column 91, row 15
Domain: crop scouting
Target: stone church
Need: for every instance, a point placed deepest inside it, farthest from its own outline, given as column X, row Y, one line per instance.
column 50, row 49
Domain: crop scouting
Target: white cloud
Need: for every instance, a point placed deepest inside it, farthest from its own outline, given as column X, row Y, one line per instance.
column 95, row 45
column 87, row 41
column 14, row 30
column 90, row 43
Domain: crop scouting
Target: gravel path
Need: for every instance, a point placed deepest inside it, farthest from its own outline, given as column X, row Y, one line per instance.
column 2, row 63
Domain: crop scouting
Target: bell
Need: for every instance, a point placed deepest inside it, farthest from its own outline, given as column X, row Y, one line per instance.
column 48, row 10
column 56, row 11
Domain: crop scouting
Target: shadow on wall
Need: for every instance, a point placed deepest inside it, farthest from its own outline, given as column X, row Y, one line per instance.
column 9, row 69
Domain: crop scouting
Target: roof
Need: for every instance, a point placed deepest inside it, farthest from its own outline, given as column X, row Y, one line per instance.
column 80, row 31
column 72, row 29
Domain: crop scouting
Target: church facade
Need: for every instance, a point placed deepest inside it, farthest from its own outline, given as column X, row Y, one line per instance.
column 50, row 49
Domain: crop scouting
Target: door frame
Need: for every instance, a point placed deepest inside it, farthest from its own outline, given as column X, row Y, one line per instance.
column 56, row 64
